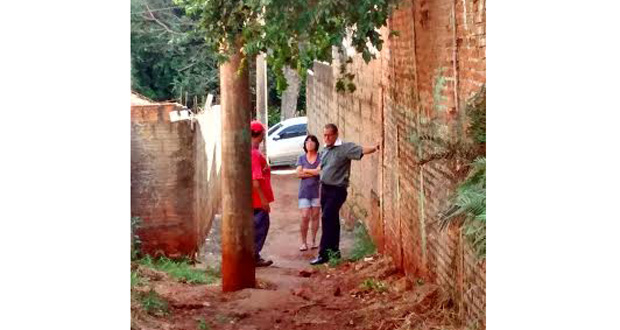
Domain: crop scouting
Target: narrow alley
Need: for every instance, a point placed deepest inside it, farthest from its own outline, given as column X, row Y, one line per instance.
column 368, row 294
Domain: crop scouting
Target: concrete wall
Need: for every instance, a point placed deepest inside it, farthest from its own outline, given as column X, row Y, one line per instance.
column 208, row 160
column 419, row 84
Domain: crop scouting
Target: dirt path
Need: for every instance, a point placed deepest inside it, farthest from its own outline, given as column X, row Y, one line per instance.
column 283, row 242
column 291, row 294
column 283, row 239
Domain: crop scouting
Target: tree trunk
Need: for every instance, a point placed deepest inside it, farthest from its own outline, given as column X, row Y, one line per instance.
column 238, row 270
column 261, row 94
column 290, row 95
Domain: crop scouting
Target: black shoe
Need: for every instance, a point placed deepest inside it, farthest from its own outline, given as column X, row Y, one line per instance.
column 263, row 263
column 318, row 261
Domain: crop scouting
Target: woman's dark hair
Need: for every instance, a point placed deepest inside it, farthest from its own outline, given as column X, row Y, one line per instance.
column 313, row 139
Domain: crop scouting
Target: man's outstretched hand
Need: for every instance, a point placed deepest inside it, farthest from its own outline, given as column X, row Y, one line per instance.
column 370, row 150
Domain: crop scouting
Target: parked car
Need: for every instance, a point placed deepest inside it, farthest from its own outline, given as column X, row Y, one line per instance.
column 285, row 141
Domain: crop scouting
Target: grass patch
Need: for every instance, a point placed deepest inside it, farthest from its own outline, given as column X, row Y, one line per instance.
column 371, row 284
column 137, row 280
column 182, row 270
column 153, row 303
column 202, row 324
column 362, row 244
column 335, row 258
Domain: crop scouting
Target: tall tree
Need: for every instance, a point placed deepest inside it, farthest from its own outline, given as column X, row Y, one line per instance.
column 294, row 33
column 237, row 226
column 261, row 94
column 290, row 94
column 169, row 54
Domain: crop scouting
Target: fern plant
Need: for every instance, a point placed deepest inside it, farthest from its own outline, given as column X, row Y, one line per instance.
column 469, row 206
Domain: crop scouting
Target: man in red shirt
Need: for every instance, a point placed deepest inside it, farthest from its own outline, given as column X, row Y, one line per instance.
column 262, row 194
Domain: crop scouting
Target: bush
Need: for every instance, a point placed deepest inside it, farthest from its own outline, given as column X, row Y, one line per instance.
column 469, row 206
column 363, row 244
column 153, row 303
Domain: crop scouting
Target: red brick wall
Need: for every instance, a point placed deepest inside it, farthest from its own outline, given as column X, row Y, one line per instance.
column 162, row 180
column 407, row 91
column 175, row 171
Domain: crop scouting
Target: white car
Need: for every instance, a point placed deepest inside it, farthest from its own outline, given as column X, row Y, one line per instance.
column 285, row 141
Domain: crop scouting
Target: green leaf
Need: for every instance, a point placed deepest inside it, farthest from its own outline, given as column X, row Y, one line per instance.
column 340, row 86
column 366, row 55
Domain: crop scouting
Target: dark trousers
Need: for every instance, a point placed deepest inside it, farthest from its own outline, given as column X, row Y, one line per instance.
column 332, row 198
column 261, row 227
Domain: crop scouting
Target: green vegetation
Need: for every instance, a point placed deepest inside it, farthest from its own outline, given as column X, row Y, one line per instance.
column 182, row 270
column 293, row 33
column 137, row 280
column 202, row 324
column 153, row 303
column 363, row 244
column 469, row 204
column 372, row 284
column 335, row 259
column 169, row 56
column 136, row 243
column 466, row 207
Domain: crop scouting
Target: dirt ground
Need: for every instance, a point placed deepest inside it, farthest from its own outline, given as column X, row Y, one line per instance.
column 368, row 294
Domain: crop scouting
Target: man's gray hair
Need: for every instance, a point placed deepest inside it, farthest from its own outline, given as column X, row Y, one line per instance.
column 333, row 127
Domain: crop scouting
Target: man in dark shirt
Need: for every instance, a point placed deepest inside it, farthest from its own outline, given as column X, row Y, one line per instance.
column 335, row 170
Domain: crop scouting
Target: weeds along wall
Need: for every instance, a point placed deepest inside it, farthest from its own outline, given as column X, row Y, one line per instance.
column 418, row 86
column 174, row 178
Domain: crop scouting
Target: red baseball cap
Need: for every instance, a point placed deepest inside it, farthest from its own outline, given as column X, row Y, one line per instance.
column 257, row 127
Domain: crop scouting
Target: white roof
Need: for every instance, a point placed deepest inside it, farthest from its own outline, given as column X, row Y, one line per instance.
column 296, row 120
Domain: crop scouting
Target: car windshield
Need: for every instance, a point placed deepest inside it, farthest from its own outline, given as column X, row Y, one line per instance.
column 273, row 129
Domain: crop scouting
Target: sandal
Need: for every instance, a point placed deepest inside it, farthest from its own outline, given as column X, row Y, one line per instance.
column 314, row 246
column 303, row 247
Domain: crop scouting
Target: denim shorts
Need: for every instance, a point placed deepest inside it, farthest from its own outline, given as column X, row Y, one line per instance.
column 305, row 203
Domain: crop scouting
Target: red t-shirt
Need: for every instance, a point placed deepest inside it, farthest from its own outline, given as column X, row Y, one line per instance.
column 262, row 173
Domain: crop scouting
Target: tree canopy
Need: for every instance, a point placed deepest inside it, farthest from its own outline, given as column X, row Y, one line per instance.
column 169, row 53
column 293, row 33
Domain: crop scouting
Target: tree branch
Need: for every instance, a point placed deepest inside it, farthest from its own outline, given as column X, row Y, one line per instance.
column 154, row 19
column 187, row 66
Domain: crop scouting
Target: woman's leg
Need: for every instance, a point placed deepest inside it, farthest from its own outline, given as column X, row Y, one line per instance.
column 305, row 218
column 314, row 224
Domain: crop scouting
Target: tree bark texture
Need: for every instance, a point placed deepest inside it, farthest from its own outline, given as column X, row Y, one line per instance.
column 238, row 270
column 290, row 95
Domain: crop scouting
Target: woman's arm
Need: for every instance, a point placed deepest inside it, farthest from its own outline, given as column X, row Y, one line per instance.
column 312, row 172
column 301, row 173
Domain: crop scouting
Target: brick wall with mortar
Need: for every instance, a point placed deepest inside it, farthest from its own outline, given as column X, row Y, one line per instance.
column 174, row 178
column 419, row 84
column 162, row 180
